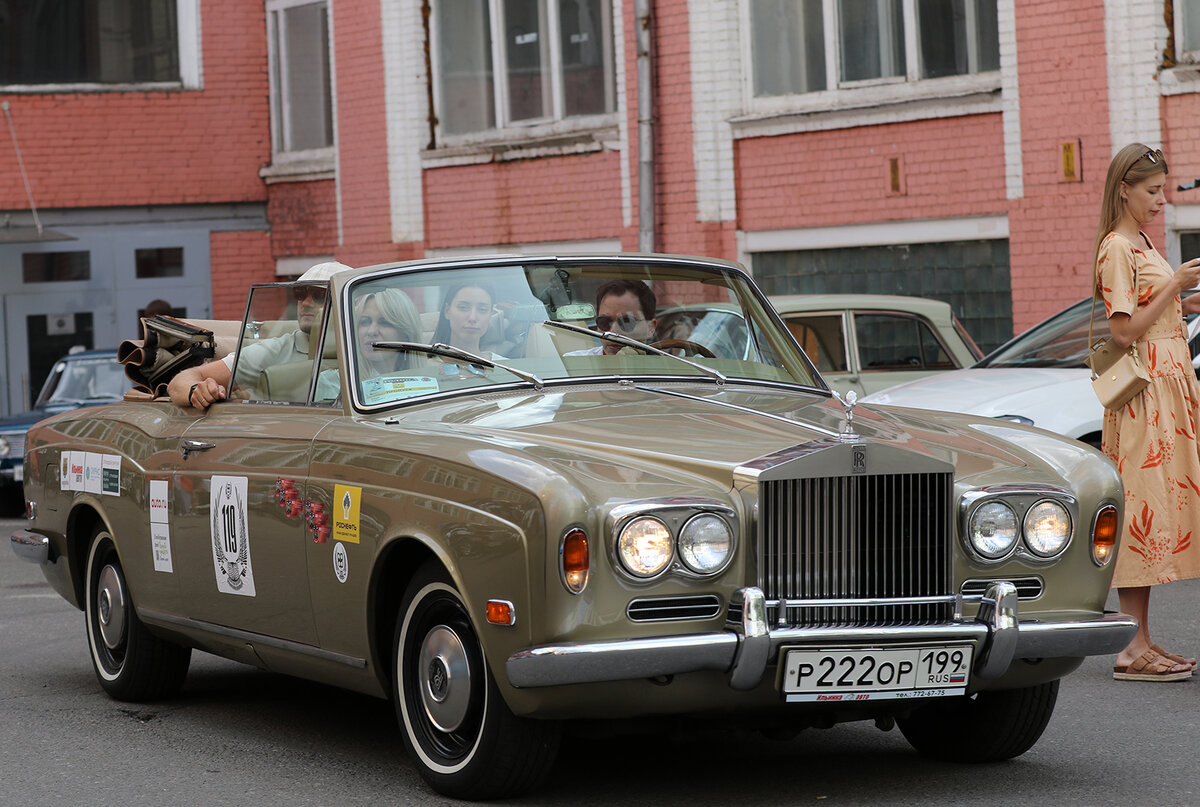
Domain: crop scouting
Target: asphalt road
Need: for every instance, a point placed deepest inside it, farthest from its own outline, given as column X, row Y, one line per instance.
column 243, row 737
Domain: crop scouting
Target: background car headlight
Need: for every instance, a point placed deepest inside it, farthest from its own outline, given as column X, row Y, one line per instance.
column 645, row 546
column 4, row 446
column 993, row 530
column 1047, row 528
column 705, row 543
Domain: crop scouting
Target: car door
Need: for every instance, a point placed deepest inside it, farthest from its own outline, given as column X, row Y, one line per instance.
column 245, row 468
column 244, row 475
column 894, row 347
column 825, row 337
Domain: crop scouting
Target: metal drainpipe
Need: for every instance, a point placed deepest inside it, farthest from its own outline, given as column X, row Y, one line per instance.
column 645, row 94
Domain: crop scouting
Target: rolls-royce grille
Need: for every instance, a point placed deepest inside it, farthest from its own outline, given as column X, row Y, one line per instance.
column 857, row 550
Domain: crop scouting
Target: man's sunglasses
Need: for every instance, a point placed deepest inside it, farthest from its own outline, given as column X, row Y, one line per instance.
column 302, row 293
column 626, row 322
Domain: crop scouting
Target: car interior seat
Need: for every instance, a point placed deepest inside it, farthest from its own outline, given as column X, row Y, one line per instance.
column 291, row 381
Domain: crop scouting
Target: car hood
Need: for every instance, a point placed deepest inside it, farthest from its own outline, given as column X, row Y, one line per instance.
column 644, row 434
column 1060, row 399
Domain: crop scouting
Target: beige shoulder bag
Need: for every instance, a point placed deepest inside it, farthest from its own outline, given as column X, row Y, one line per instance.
column 1117, row 375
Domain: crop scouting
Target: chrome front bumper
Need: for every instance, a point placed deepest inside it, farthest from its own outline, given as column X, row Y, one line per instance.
column 745, row 649
column 31, row 547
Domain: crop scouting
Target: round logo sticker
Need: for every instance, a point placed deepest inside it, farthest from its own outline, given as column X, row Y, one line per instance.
column 341, row 564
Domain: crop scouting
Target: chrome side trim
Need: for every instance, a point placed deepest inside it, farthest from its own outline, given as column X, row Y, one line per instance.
column 31, row 547
column 254, row 639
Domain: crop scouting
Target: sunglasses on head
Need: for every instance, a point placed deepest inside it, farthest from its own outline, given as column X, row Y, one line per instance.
column 302, row 293
column 626, row 322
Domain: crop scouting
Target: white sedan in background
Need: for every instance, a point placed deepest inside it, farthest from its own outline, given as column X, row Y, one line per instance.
column 1038, row 378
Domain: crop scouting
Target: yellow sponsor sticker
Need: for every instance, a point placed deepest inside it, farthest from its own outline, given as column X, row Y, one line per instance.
column 346, row 500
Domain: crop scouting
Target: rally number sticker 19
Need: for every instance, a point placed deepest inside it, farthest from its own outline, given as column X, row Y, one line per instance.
column 231, row 536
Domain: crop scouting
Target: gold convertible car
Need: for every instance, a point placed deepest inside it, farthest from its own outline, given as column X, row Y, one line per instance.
column 488, row 491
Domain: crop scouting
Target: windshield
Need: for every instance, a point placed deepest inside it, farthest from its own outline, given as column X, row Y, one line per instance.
column 99, row 379
column 1061, row 341
column 504, row 314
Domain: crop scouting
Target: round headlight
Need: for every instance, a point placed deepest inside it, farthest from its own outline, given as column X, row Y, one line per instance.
column 645, row 546
column 705, row 543
column 4, row 446
column 993, row 530
column 1047, row 528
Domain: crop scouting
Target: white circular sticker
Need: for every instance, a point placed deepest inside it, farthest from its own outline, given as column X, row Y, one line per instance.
column 341, row 564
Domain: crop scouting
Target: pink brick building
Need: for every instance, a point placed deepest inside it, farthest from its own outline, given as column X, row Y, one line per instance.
column 950, row 149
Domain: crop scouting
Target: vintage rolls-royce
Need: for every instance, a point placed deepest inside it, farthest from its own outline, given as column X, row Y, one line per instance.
column 488, row 491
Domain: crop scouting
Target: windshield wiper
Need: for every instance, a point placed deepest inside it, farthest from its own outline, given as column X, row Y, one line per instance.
column 449, row 351
column 621, row 339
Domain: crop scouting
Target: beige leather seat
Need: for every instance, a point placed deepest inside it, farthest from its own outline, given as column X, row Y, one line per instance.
column 542, row 340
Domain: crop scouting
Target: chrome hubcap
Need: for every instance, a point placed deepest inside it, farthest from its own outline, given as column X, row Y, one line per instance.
column 446, row 678
column 110, row 607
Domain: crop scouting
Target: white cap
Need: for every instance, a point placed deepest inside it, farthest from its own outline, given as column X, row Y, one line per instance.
column 321, row 271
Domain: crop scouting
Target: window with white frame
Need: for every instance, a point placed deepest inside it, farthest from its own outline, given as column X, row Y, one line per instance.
column 1187, row 30
column 503, row 63
column 301, row 89
column 803, row 46
column 91, row 41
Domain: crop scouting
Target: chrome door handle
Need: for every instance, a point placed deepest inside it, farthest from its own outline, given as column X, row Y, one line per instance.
column 186, row 447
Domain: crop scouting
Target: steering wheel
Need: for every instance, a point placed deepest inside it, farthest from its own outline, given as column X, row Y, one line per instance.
column 684, row 345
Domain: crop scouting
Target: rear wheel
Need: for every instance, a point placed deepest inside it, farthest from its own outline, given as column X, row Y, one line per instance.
column 131, row 663
column 986, row 727
column 462, row 736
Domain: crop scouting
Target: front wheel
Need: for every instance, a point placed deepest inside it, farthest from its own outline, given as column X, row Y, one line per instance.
column 131, row 663
column 989, row 726
column 465, row 741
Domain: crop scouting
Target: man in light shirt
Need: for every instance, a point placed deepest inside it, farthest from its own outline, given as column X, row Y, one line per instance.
column 200, row 386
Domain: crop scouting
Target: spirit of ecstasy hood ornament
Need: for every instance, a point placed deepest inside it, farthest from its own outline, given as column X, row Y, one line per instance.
column 847, row 402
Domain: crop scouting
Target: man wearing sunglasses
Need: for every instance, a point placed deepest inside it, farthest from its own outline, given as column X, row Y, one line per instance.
column 625, row 307
column 199, row 386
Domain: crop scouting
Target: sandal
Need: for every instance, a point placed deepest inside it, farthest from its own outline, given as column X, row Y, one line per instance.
column 1150, row 666
column 1190, row 663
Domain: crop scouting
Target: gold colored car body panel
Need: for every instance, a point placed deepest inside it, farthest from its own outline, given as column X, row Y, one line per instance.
column 345, row 500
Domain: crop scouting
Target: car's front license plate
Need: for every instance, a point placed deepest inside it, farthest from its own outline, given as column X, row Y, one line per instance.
column 18, row 473
column 869, row 673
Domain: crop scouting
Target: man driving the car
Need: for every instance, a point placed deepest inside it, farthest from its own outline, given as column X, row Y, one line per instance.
column 625, row 307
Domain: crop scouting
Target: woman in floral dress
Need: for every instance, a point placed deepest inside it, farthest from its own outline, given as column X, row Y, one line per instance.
column 1153, row 437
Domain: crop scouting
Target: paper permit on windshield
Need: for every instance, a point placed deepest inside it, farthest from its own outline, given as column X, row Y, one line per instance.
column 393, row 388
